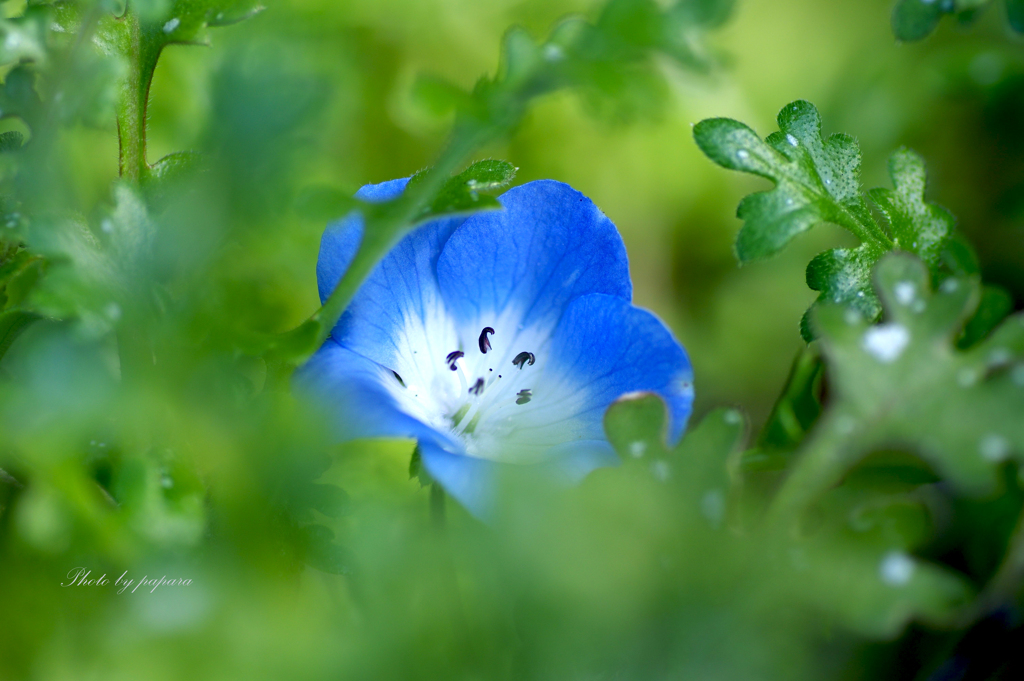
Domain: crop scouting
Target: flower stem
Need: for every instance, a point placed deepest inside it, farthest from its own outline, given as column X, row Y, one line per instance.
column 437, row 501
column 133, row 101
column 823, row 461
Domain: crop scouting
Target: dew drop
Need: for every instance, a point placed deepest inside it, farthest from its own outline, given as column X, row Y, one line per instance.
column 172, row 24
column 742, row 154
column 661, row 470
column 896, row 568
column 994, row 447
column 967, row 377
column 886, row 342
column 1000, row 356
column 905, row 291
column 792, row 140
column 712, row 506
column 637, row 449
column 553, row 53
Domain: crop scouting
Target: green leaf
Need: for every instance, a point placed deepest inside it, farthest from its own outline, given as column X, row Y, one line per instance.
column 18, row 96
column 461, row 193
column 903, row 384
column 12, row 323
column 320, row 551
column 330, row 500
column 799, row 406
column 915, row 225
column 875, row 592
column 637, row 426
column 915, row 19
column 995, row 305
column 818, row 180
column 11, row 140
column 173, row 166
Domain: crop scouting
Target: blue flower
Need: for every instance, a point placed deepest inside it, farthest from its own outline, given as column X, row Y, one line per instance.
column 494, row 340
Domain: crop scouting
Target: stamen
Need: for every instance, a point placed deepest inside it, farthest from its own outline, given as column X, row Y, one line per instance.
column 478, row 387
column 398, row 377
column 452, row 356
column 524, row 358
column 485, row 342
column 523, row 396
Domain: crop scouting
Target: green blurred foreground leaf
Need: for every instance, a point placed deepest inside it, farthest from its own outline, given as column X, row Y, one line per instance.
column 904, row 384
column 865, row 583
column 818, row 180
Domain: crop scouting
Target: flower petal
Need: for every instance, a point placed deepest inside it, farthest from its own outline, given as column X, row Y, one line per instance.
column 471, row 481
column 603, row 348
column 548, row 246
column 341, row 239
column 398, row 311
column 354, row 391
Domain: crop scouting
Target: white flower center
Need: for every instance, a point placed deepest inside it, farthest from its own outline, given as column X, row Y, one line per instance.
column 479, row 383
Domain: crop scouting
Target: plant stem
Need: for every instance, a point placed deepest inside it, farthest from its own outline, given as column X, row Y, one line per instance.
column 437, row 499
column 822, row 462
column 134, row 99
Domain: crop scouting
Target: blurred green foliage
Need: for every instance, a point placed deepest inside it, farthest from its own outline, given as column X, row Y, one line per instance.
column 858, row 519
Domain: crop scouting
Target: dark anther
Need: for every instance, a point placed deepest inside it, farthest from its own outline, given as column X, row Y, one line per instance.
column 477, row 387
column 398, row 377
column 452, row 356
column 524, row 358
column 523, row 396
column 485, row 342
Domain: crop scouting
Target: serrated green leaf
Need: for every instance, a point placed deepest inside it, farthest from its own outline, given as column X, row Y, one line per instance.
column 915, row 225
column 816, row 180
column 874, row 592
column 843, row 275
column 12, row 140
column 903, row 384
column 637, row 425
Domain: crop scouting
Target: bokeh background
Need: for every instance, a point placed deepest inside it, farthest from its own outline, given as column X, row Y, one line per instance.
column 317, row 93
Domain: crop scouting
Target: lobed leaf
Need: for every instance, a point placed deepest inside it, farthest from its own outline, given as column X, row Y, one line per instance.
column 904, row 383
column 818, row 180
